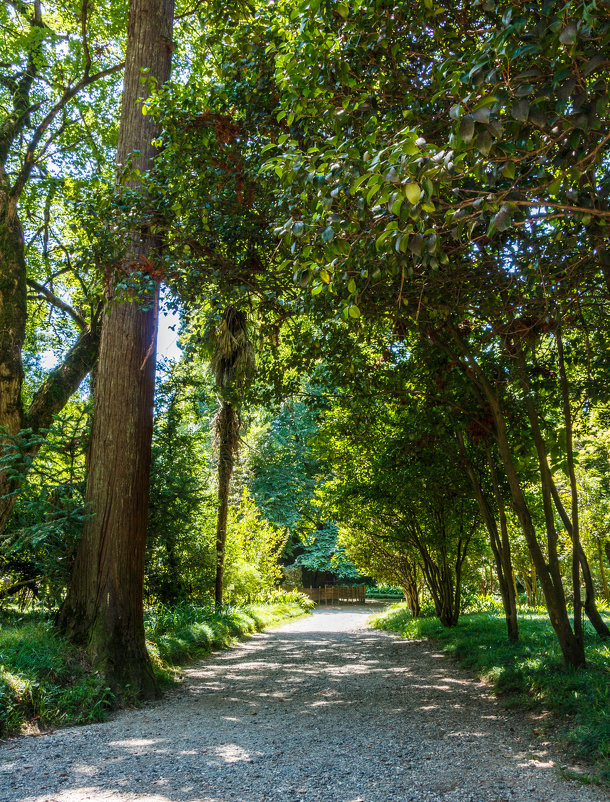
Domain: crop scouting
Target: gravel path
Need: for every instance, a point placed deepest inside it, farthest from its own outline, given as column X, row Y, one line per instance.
column 321, row 710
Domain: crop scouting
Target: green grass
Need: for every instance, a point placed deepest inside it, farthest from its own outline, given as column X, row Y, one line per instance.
column 529, row 673
column 178, row 635
column 45, row 681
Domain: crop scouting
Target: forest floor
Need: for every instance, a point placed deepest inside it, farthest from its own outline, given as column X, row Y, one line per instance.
column 321, row 710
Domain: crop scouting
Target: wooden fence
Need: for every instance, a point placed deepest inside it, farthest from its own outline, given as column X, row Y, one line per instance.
column 337, row 593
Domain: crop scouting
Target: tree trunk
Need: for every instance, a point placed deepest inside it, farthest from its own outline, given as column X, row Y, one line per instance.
column 227, row 432
column 13, row 316
column 571, row 649
column 408, row 576
column 104, row 606
column 590, row 604
column 499, row 546
column 602, row 570
column 505, row 555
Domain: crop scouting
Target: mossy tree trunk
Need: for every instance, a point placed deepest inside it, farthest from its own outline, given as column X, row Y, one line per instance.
column 104, row 606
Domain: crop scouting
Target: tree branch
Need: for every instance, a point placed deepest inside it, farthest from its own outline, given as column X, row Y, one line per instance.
column 62, row 382
column 67, row 96
column 49, row 296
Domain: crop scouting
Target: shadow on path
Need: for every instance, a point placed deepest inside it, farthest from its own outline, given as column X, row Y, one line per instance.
column 321, row 710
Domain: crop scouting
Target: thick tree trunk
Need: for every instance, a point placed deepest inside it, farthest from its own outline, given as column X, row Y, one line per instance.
column 227, row 431
column 103, row 609
column 104, row 606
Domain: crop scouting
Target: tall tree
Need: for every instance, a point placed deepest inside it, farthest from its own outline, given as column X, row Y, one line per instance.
column 232, row 364
column 103, row 608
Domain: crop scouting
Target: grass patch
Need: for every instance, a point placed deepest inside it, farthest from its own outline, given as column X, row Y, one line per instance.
column 47, row 682
column 43, row 679
column 529, row 673
column 181, row 634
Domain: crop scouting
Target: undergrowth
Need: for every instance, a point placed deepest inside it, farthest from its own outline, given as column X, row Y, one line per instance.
column 529, row 673
column 46, row 682
column 177, row 635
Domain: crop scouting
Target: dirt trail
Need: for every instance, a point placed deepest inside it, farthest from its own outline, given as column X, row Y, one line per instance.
column 321, row 710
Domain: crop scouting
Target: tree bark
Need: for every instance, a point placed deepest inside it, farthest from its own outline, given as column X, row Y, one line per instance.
column 571, row 648
column 104, row 606
column 590, row 605
column 505, row 555
column 226, row 457
column 13, row 316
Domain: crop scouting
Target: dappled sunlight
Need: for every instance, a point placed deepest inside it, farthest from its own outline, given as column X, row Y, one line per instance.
column 287, row 715
column 92, row 794
column 136, row 742
column 232, row 753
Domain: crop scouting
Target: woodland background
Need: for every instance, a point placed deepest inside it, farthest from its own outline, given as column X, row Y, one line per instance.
column 383, row 229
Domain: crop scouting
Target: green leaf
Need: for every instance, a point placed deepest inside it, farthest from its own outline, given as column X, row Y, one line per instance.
column 353, row 311
column 355, row 184
column 343, row 10
column 482, row 115
column 520, row 110
column 467, row 128
column 392, row 176
column 484, row 142
column 396, row 205
column 328, row 234
column 351, row 287
column 594, row 63
column 413, row 193
column 569, row 34
column 416, row 243
column 503, row 219
column 382, row 238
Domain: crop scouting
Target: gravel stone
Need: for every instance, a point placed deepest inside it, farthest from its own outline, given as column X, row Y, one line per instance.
column 321, row 710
